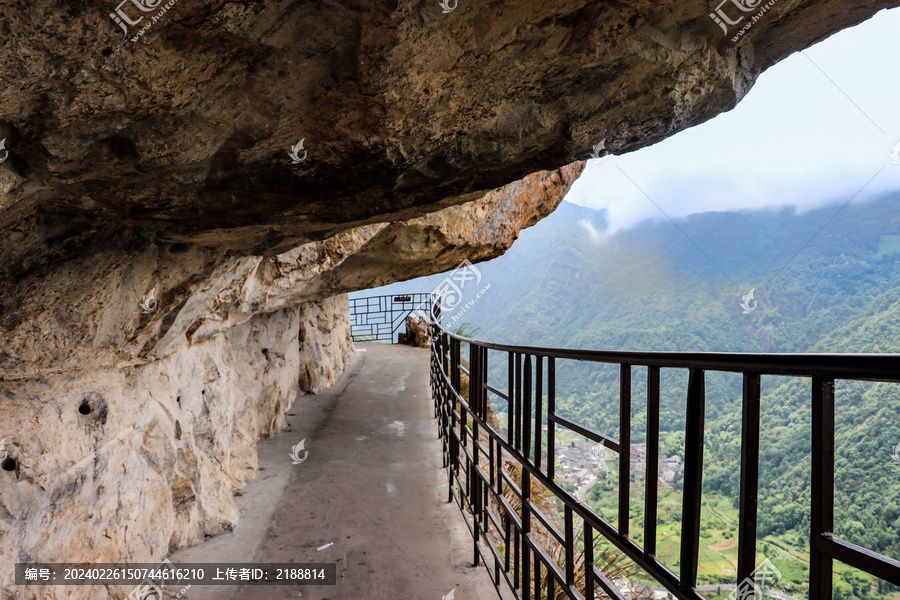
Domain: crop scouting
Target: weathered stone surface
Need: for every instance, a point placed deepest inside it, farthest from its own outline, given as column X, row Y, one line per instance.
column 325, row 344
column 418, row 331
column 181, row 394
column 154, row 464
column 86, row 311
column 184, row 135
column 438, row 242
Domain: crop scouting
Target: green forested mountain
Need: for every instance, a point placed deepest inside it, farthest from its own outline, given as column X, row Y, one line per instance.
column 826, row 280
column 661, row 286
column 822, row 284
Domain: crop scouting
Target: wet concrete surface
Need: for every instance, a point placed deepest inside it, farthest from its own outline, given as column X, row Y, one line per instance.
column 371, row 496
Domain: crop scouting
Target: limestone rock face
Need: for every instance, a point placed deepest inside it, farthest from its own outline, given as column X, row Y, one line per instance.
column 87, row 310
column 402, row 108
column 130, row 464
column 125, row 464
column 178, row 387
column 325, row 344
column 418, row 331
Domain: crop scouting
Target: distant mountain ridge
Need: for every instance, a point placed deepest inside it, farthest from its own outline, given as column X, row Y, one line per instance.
column 661, row 287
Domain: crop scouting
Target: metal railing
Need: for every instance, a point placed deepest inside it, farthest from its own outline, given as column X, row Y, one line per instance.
column 379, row 318
column 504, row 519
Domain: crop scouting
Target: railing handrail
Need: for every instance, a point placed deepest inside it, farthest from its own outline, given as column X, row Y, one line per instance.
column 411, row 294
column 867, row 367
column 864, row 366
column 478, row 477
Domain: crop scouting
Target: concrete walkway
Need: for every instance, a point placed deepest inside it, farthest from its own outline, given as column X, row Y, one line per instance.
column 372, row 494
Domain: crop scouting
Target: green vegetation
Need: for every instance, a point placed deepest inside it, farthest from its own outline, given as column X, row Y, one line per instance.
column 368, row 338
column 718, row 543
column 649, row 288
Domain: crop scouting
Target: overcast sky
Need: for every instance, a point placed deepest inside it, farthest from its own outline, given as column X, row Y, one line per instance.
column 815, row 129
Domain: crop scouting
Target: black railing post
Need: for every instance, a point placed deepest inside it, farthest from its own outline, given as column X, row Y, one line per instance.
column 526, row 530
column 588, row 562
column 511, row 400
column 517, row 443
column 436, row 391
column 451, row 408
column 527, row 416
column 445, row 352
column 432, row 366
column 517, row 554
column 624, row 447
column 651, row 483
column 507, row 541
column 821, row 487
column 526, row 477
column 551, row 412
column 449, row 401
column 570, row 546
column 492, row 480
column 484, row 391
column 455, row 362
column 693, row 478
column 475, row 404
column 749, row 481
column 538, row 409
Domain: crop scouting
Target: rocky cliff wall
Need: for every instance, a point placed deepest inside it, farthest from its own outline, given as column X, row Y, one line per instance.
column 125, row 464
column 130, row 464
column 325, row 344
column 131, row 423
